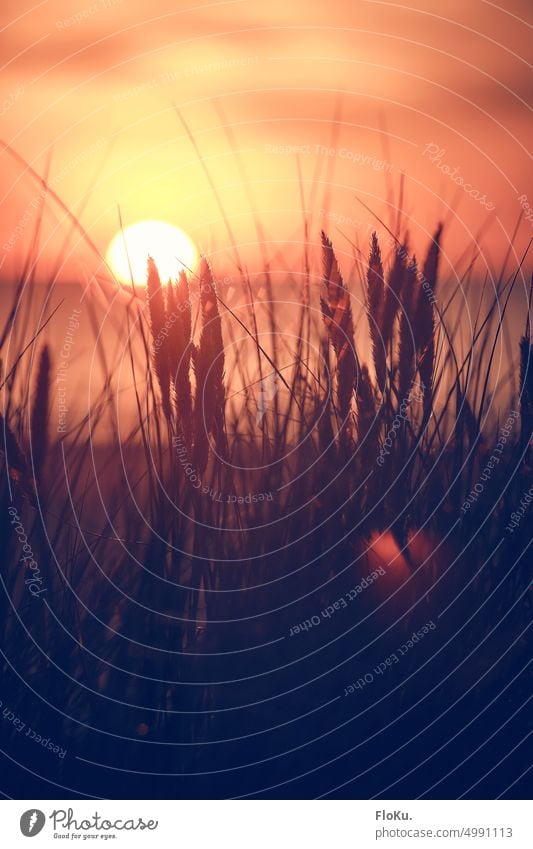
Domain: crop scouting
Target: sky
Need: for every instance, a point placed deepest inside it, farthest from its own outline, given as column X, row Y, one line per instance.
column 236, row 120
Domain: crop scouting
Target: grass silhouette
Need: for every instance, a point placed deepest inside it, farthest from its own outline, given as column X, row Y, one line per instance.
column 162, row 651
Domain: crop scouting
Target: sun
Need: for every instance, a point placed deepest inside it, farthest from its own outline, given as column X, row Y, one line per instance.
column 171, row 248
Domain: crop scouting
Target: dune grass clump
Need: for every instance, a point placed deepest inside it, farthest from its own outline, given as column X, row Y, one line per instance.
column 171, row 608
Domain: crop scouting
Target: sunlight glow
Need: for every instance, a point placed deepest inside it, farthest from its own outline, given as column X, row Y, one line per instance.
column 172, row 249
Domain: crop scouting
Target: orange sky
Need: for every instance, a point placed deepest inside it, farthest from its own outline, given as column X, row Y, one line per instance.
column 439, row 91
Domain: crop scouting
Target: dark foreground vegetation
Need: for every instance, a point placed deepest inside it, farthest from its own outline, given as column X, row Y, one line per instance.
column 316, row 584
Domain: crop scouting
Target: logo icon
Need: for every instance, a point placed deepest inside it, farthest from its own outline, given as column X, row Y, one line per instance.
column 267, row 392
column 32, row 822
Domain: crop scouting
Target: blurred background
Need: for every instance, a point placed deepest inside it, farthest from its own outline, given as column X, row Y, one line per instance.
column 291, row 107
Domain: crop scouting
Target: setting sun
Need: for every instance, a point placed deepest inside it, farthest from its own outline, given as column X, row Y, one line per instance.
column 172, row 249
